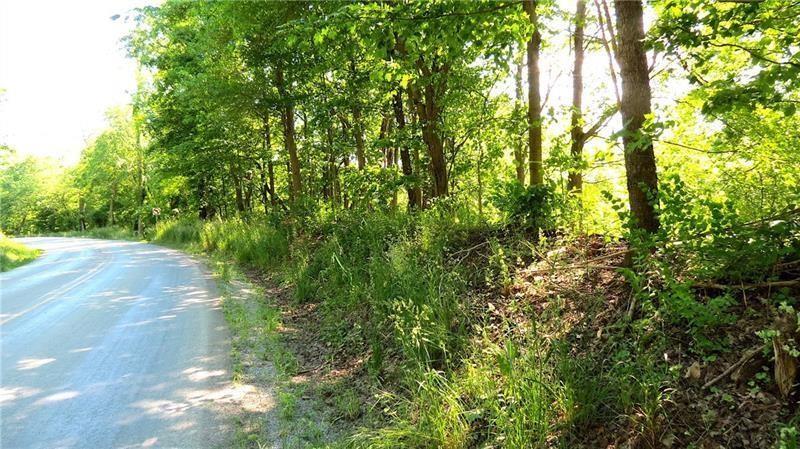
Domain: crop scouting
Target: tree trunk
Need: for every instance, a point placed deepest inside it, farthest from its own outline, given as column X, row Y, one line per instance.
column 358, row 133
column 640, row 162
column 480, row 180
column 237, row 188
column 82, row 212
column 273, row 197
column 264, row 188
column 575, row 182
column 111, row 204
column 534, row 98
column 202, row 191
column 287, row 117
column 519, row 147
column 412, row 190
column 428, row 111
column 142, row 192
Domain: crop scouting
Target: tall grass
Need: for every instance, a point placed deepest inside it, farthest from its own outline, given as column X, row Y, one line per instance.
column 252, row 244
column 387, row 290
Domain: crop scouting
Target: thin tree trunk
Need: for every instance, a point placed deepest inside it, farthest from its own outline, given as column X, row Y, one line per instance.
column 575, row 182
column 358, row 132
column 519, row 147
column 413, row 191
column 331, row 175
column 237, row 187
column 534, row 98
column 264, row 190
column 390, row 151
column 203, row 195
column 265, row 187
column 82, row 211
column 428, row 112
column 640, row 162
column 603, row 22
column 111, row 204
column 273, row 197
column 480, row 180
column 287, row 116
column 142, row 192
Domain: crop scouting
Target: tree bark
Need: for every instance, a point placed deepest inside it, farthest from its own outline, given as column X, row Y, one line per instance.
column 534, row 98
column 111, row 204
column 358, row 133
column 287, row 117
column 428, row 113
column 519, row 140
column 575, row 181
column 413, row 191
column 82, row 211
column 273, row 197
column 640, row 162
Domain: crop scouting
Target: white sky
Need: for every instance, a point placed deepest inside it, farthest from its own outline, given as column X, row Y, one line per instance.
column 62, row 65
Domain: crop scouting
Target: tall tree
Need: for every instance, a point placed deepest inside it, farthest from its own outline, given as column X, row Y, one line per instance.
column 519, row 140
column 534, row 97
column 575, row 181
column 640, row 161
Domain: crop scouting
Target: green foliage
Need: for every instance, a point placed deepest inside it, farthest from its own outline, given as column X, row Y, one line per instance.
column 709, row 240
column 531, row 208
column 383, row 288
column 257, row 245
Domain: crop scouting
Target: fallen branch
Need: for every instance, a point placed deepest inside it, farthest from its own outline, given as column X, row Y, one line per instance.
column 747, row 356
column 773, row 284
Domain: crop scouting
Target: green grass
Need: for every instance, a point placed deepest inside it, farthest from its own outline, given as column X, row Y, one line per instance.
column 388, row 291
column 14, row 254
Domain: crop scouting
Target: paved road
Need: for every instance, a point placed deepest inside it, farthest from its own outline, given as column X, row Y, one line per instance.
column 109, row 344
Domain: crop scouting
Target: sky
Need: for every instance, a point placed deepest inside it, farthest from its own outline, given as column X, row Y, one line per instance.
column 62, row 65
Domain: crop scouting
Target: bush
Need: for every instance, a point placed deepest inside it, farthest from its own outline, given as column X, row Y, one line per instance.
column 531, row 207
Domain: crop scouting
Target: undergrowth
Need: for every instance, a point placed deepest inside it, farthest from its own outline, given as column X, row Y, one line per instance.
column 456, row 355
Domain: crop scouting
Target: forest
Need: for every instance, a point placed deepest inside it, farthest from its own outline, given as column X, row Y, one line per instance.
column 478, row 224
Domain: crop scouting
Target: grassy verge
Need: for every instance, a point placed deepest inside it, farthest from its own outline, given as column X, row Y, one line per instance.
column 14, row 254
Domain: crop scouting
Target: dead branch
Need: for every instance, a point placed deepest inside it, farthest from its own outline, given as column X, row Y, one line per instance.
column 773, row 284
column 747, row 356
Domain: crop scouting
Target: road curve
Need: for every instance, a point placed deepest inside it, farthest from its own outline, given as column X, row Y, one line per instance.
column 111, row 344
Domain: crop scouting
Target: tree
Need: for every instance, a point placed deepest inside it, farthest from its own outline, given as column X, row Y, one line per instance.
column 640, row 161
column 575, row 181
column 534, row 97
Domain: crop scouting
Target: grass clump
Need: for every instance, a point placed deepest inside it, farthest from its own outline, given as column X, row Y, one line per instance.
column 14, row 254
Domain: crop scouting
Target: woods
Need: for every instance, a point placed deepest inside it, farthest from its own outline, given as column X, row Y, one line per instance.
column 519, row 223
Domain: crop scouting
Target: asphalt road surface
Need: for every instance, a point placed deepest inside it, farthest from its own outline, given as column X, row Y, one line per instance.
column 110, row 344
